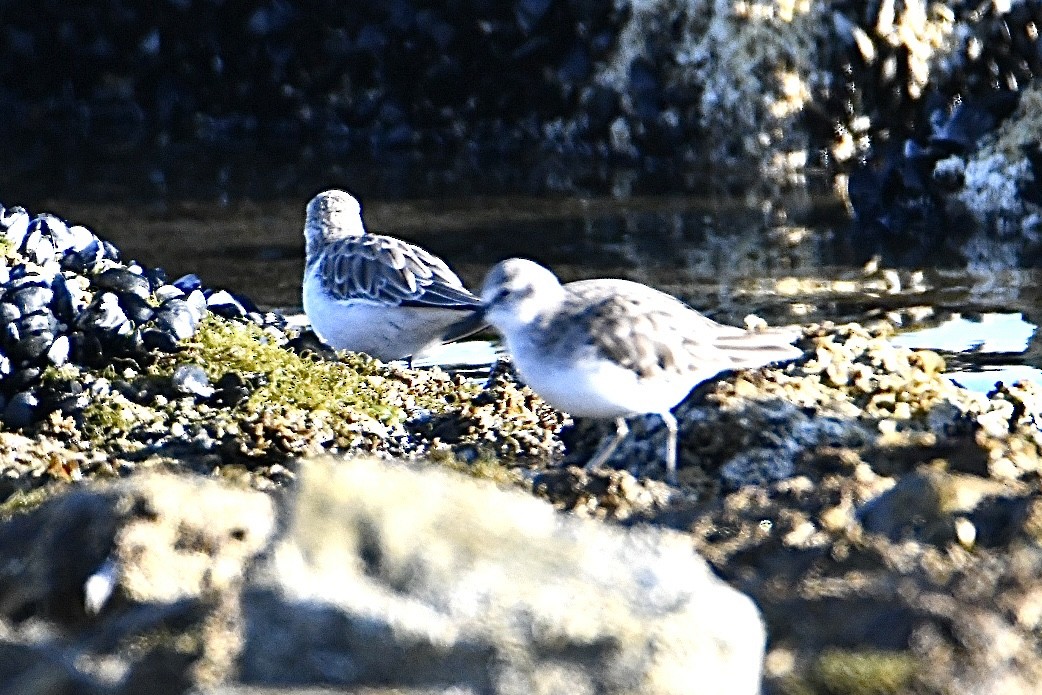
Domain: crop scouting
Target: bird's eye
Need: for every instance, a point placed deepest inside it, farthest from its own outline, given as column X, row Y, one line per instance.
column 499, row 296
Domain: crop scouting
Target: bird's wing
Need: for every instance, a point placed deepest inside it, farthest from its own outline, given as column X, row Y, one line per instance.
column 757, row 348
column 390, row 271
column 652, row 333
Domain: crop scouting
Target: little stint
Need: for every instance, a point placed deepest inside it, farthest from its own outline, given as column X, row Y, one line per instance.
column 614, row 348
column 376, row 294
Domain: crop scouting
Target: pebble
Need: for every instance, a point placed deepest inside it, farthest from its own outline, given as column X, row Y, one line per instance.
column 191, row 379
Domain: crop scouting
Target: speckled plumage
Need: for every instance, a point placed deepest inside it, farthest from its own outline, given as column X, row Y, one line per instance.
column 378, row 294
column 614, row 348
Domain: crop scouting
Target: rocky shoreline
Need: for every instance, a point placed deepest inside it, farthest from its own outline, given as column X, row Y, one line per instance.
column 884, row 520
column 423, row 98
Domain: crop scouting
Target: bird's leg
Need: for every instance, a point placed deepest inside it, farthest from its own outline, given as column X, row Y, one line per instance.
column 670, row 422
column 609, row 446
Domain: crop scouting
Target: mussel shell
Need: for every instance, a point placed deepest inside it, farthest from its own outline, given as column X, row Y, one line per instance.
column 224, row 304
column 84, row 260
column 9, row 313
column 38, row 246
column 32, row 299
column 81, row 238
column 197, row 303
column 121, row 280
column 20, row 411
column 40, row 321
column 31, row 347
column 104, row 314
column 65, row 305
column 136, row 308
column 158, row 339
column 15, row 225
column 23, row 377
column 85, row 348
column 165, row 292
column 22, row 277
column 187, row 283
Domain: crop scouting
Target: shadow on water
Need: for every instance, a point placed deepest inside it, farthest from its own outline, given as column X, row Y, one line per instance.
column 721, row 256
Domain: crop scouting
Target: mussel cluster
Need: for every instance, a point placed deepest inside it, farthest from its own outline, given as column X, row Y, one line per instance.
column 66, row 296
column 905, row 125
column 899, row 197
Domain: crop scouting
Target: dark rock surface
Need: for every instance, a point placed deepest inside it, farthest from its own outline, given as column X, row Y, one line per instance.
column 201, row 96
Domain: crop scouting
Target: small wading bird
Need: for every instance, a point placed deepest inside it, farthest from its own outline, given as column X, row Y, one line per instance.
column 377, row 294
column 615, row 348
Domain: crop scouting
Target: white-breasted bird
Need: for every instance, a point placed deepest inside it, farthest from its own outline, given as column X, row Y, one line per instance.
column 377, row 294
column 614, row 348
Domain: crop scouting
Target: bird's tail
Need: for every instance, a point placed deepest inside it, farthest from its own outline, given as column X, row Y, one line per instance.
column 468, row 325
column 755, row 348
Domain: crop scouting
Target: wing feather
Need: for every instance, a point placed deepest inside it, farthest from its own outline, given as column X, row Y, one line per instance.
column 652, row 332
column 390, row 271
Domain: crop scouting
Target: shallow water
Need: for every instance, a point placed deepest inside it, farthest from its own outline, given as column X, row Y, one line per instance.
column 721, row 256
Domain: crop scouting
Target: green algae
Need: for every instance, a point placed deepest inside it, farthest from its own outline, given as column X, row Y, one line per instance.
column 840, row 672
column 285, row 379
column 487, row 466
column 288, row 404
column 854, row 672
column 23, row 501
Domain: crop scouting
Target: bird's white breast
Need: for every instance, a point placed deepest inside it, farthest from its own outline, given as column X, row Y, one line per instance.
column 590, row 386
column 384, row 331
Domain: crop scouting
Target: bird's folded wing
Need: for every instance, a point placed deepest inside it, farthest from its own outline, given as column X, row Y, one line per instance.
column 757, row 348
column 390, row 271
column 666, row 337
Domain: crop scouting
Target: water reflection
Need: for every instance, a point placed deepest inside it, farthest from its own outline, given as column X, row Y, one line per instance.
column 984, row 379
column 989, row 348
column 980, row 334
column 723, row 257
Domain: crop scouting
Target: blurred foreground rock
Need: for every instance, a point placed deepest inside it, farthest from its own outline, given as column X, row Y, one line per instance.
column 128, row 587
column 383, row 576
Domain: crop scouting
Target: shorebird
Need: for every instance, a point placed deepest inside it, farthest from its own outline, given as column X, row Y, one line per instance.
column 613, row 348
column 377, row 294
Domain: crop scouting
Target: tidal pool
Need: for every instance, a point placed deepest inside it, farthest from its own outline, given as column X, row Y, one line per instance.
column 788, row 263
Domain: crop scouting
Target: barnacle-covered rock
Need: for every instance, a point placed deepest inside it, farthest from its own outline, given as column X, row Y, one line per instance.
column 233, row 394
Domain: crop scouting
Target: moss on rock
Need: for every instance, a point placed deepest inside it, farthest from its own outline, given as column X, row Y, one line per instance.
column 265, row 404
